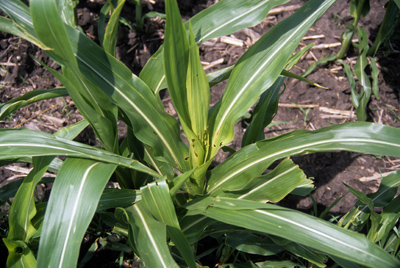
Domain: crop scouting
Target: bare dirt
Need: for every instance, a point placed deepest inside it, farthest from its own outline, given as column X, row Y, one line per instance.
column 19, row 73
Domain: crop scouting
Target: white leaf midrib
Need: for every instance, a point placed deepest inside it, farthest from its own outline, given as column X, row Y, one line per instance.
column 256, row 73
column 298, row 148
column 74, row 211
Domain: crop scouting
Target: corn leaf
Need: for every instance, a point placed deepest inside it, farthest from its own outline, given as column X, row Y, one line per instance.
column 306, row 230
column 264, row 112
column 219, row 76
column 187, row 84
column 157, row 198
column 253, row 159
column 374, row 76
column 22, row 211
column 16, row 143
column 253, row 244
column 381, row 198
column 359, row 8
column 176, row 57
column 178, row 183
column 102, row 121
column 113, row 198
column 387, row 190
column 67, row 11
column 79, row 181
column 259, row 67
column 271, row 187
column 149, row 236
column 70, row 132
column 51, row 30
column 20, row 255
column 49, row 27
column 359, row 71
column 390, row 217
column 229, row 16
column 388, row 26
column 277, row 264
column 222, row 18
column 23, row 208
column 311, row 68
column 198, row 99
column 29, row 98
column 109, row 41
column 151, row 125
column 101, row 22
column 8, row 26
column 193, row 226
column 19, row 13
column 350, row 77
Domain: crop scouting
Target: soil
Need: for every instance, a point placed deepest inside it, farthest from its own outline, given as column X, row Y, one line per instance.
column 19, row 73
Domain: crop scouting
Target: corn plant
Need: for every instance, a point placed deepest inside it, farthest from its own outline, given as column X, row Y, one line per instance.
column 140, row 17
column 365, row 59
column 112, row 10
column 170, row 198
column 380, row 228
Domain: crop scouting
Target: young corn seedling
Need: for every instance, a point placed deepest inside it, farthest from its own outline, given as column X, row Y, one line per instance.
column 365, row 58
column 170, row 197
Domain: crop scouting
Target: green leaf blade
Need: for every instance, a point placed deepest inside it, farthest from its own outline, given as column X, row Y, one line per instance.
column 304, row 229
column 157, row 198
column 271, row 187
column 259, row 67
column 151, row 124
column 29, row 98
column 50, row 29
column 13, row 144
column 359, row 71
column 264, row 112
column 252, row 160
column 198, row 90
column 23, row 208
column 176, row 56
column 149, row 236
column 222, row 18
column 109, row 41
column 78, row 182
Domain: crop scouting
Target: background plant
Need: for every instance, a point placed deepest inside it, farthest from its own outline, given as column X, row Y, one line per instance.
column 111, row 10
column 365, row 63
column 170, row 199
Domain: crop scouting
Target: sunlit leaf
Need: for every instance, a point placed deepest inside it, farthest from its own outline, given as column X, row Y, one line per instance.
column 271, row 187
column 258, row 69
column 16, row 143
column 9, row 107
column 149, row 236
column 307, row 230
column 359, row 71
column 20, row 255
column 158, row 200
column 79, row 181
column 110, row 35
column 222, row 18
column 253, row 159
